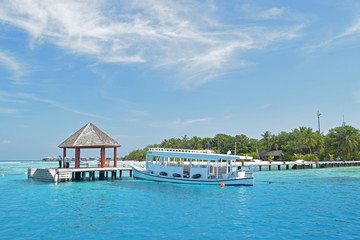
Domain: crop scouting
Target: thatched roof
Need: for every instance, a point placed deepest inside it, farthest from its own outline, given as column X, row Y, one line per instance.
column 89, row 136
column 275, row 153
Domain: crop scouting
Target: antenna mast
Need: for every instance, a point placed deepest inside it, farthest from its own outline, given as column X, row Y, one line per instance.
column 318, row 116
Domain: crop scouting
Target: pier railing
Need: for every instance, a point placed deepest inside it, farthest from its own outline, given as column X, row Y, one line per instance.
column 180, row 150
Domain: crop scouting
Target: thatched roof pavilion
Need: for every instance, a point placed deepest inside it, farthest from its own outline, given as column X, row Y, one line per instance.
column 277, row 154
column 90, row 136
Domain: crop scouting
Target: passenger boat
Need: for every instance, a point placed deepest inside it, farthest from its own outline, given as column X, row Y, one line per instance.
column 193, row 167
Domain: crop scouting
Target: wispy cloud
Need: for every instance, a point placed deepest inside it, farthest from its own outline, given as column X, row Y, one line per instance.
column 349, row 32
column 8, row 110
column 9, row 62
column 272, row 13
column 183, row 36
column 178, row 122
column 188, row 122
column 21, row 98
column 252, row 11
column 4, row 142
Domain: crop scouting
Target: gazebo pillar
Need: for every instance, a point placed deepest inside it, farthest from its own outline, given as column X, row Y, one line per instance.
column 77, row 157
column 102, row 157
column 115, row 157
column 64, row 156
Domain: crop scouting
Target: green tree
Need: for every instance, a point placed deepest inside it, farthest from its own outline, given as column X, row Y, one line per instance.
column 266, row 138
column 343, row 142
column 310, row 139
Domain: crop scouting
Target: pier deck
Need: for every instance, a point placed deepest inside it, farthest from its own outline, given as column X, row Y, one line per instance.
column 277, row 165
column 76, row 174
column 97, row 173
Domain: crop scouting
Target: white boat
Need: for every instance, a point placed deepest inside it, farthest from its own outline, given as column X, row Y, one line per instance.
column 193, row 167
column 50, row 159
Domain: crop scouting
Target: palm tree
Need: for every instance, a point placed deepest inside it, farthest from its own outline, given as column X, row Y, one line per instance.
column 310, row 139
column 319, row 141
column 273, row 143
column 349, row 139
column 344, row 140
column 266, row 137
column 350, row 144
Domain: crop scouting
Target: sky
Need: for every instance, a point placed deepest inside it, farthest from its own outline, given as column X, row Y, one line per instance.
column 144, row 71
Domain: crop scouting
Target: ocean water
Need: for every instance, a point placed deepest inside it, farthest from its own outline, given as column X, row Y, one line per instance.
column 297, row 204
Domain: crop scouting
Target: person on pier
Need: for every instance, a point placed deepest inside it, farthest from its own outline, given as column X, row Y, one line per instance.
column 66, row 163
column 60, row 160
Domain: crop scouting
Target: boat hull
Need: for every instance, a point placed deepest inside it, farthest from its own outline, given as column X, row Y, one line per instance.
column 140, row 173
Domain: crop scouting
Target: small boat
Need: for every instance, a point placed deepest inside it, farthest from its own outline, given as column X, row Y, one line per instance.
column 50, row 159
column 193, row 167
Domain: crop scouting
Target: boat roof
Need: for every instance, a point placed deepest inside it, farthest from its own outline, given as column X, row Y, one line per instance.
column 194, row 154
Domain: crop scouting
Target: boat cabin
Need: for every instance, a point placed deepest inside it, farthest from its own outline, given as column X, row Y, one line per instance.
column 193, row 164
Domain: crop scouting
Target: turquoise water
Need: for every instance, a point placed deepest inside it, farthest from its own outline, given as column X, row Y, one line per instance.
column 299, row 204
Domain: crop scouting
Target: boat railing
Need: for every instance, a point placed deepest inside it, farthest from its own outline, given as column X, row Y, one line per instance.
column 180, row 150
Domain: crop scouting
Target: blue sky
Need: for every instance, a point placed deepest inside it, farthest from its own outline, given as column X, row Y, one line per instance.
column 143, row 71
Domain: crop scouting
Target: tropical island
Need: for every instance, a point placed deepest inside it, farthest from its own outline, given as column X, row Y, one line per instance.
column 340, row 143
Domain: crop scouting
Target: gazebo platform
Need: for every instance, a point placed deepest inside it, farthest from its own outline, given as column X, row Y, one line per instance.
column 77, row 174
column 88, row 137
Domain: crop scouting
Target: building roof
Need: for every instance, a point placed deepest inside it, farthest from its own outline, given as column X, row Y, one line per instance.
column 275, row 153
column 89, row 136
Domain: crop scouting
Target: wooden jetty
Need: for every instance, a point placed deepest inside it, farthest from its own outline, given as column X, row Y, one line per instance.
column 88, row 137
column 267, row 166
column 112, row 173
column 77, row 174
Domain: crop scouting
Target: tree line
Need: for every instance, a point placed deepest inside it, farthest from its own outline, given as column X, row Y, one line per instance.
column 340, row 143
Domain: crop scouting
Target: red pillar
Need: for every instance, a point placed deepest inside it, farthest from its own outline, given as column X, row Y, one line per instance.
column 102, row 157
column 77, row 157
column 115, row 157
column 64, row 156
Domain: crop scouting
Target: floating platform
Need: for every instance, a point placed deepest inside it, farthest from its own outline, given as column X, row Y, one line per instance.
column 77, row 174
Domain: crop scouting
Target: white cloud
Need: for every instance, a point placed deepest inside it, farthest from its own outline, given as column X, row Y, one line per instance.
column 181, row 36
column 24, row 98
column 4, row 142
column 188, row 122
column 352, row 31
column 178, row 123
column 9, row 62
column 8, row 110
column 272, row 13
